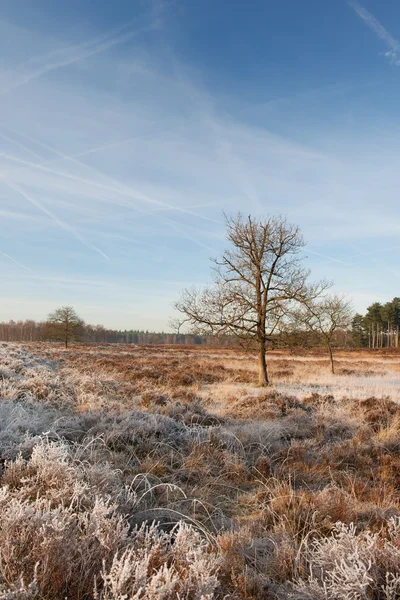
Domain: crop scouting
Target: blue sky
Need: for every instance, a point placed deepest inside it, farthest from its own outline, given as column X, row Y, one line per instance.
column 127, row 128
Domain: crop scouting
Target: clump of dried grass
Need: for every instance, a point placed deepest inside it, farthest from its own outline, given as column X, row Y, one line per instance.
column 62, row 532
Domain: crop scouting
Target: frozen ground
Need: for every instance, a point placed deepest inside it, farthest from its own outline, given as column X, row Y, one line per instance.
column 285, row 493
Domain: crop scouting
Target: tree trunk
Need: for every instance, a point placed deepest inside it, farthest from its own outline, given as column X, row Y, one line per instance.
column 331, row 359
column 262, row 366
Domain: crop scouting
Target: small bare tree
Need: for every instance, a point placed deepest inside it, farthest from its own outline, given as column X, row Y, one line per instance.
column 324, row 316
column 64, row 324
column 176, row 323
column 257, row 281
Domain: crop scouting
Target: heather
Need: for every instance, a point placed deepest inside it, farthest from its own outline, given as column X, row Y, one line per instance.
column 165, row 473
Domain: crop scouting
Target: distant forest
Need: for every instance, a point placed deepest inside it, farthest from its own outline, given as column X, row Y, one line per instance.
column 33, row 331
column 378, row 328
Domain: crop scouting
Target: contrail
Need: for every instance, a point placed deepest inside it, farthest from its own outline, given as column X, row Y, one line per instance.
column 77, row 47
column 16, row 143
column 192, row 238
column 74, row 59
column 131, row 191
column 43, row 280
column 63, row 225
column 124, row 191
column 380, row 263
column 120, row 191
column 17, row 216
column 342, row 262
column 103, row 147
column 18, row 263
column 379, row 30
column 60, row 155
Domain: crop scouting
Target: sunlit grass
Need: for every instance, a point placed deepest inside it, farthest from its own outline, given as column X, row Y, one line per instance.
column 248, row 485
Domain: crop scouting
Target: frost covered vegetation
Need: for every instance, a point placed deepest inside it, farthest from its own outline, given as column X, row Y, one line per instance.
column 163, row 473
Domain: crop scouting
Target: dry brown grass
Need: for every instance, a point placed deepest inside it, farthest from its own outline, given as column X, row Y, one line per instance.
column 262, row 474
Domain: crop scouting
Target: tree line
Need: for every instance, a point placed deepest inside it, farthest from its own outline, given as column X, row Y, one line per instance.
column 379, row 327
column 36, row 331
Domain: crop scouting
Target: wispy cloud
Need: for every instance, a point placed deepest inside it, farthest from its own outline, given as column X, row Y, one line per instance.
column 393, row 52
column 79, row 53
column 379, row 262
column 142, row 162
column 18, row 216
column 19, row 145
column 79, row 48
column 54, row 218
column 116, row 186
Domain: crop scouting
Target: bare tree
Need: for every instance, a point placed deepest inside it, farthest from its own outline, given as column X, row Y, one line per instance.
column 64, row 324
column 257, row 281
column 324, row 316
column 176, row 323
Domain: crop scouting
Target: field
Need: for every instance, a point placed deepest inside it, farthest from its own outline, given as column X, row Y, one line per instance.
column 165, row 473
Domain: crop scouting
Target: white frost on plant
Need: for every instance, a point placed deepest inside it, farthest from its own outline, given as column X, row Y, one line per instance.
column 348, row 564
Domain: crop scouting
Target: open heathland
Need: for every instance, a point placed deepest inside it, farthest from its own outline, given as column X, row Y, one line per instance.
column 165, row 473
